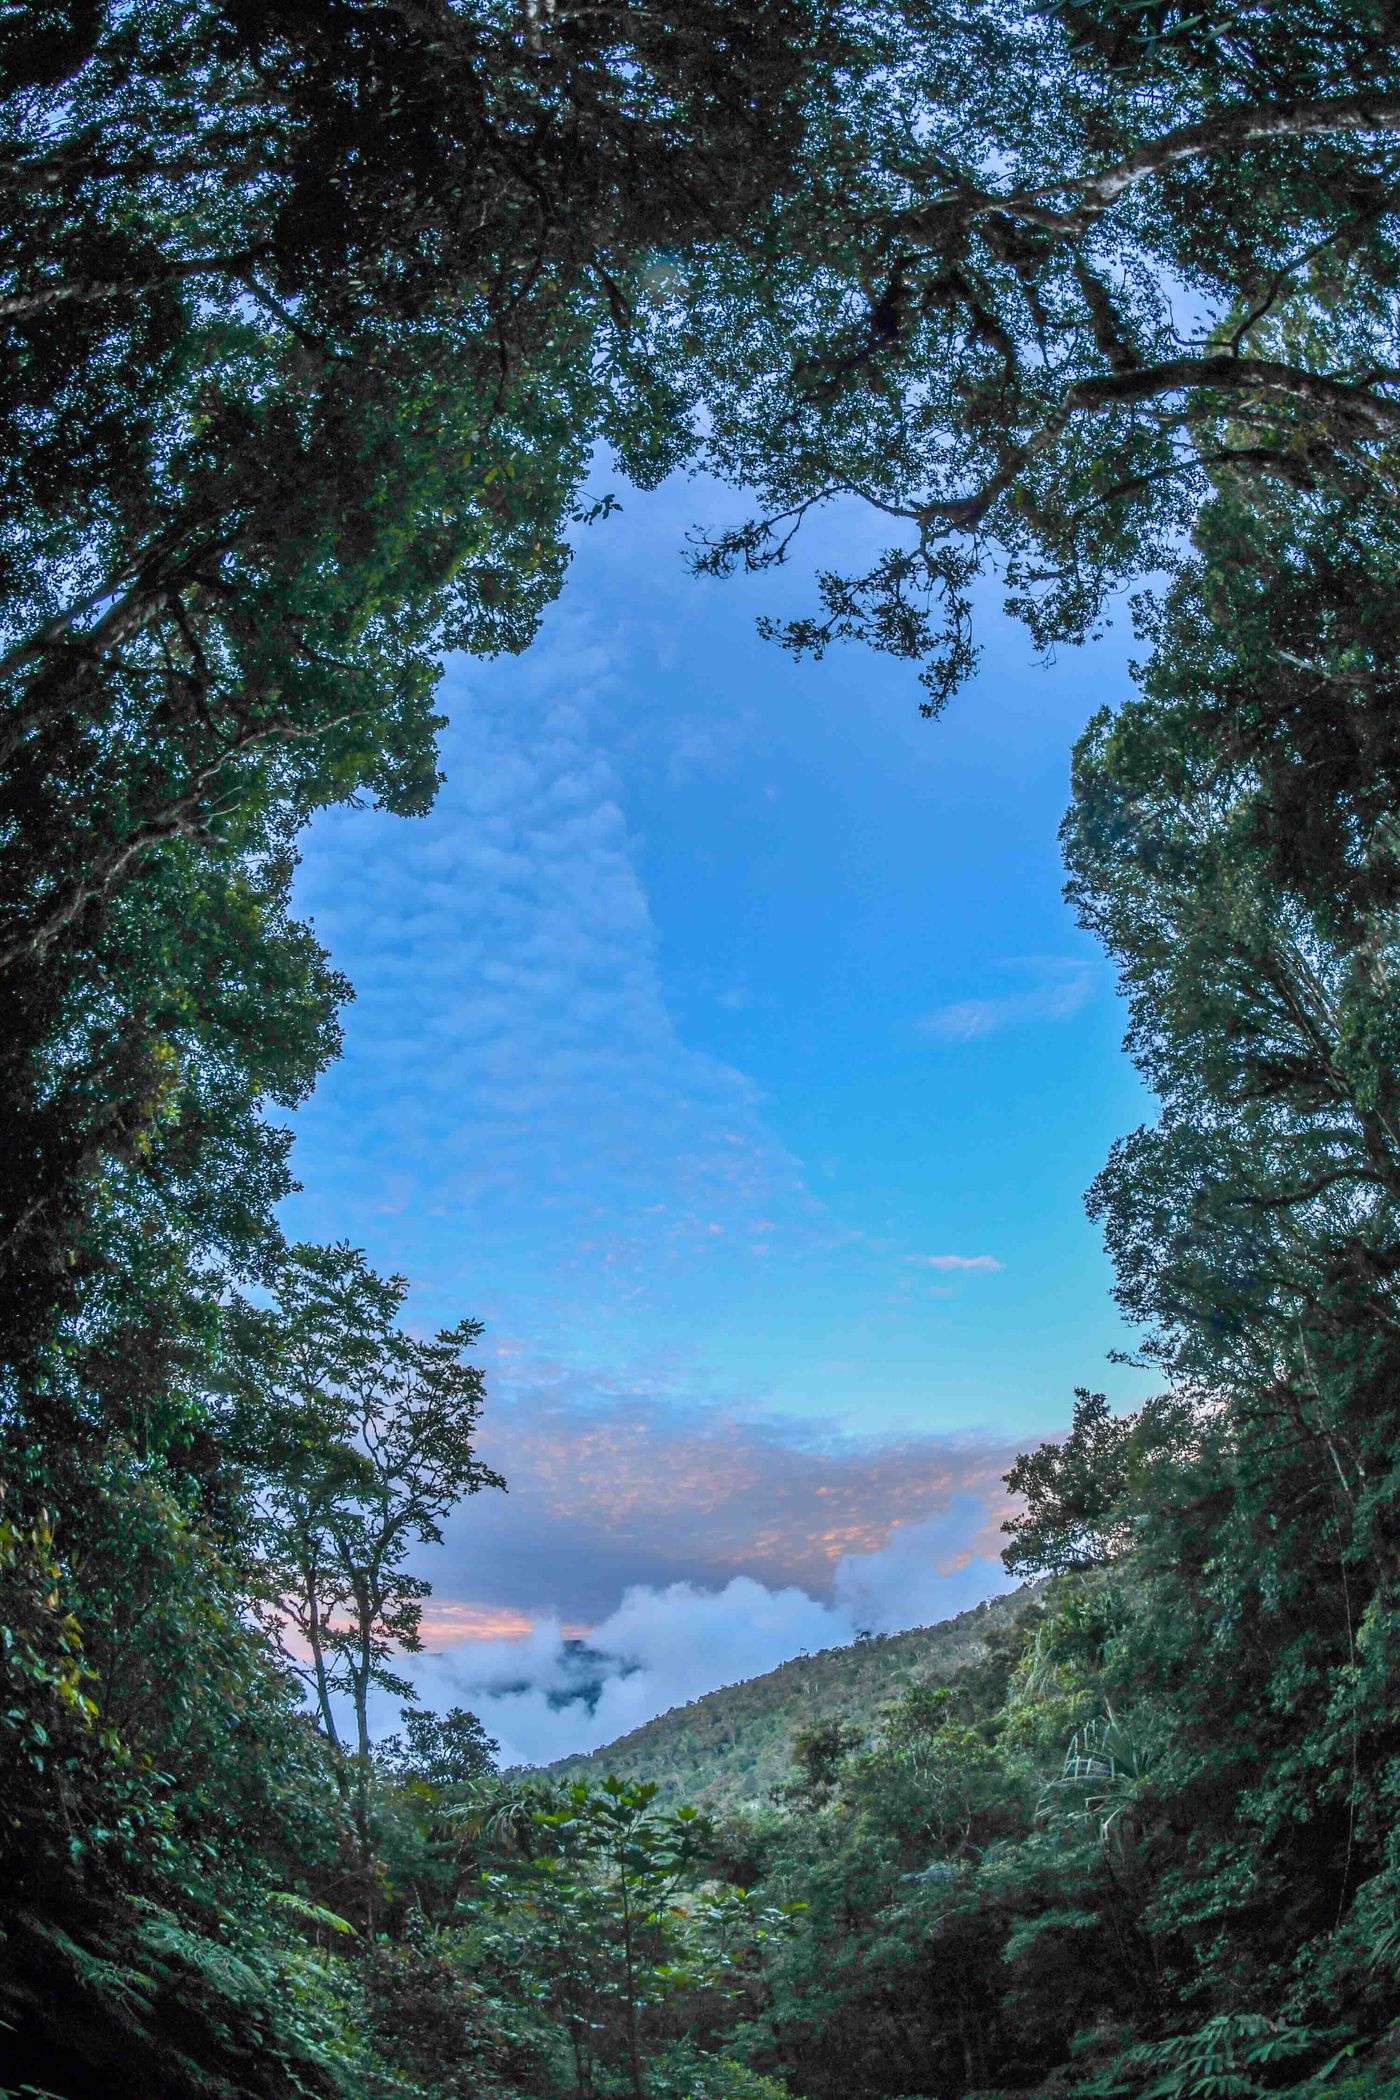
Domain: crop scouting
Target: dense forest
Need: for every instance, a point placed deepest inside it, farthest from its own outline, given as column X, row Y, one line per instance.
column 732, row 1749
column 315, row 318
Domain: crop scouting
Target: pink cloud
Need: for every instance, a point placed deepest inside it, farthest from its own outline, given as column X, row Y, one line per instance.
column 617, row 1486
column 447, row 1619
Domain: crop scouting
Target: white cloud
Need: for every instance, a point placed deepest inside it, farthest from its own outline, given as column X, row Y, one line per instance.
column 926, row 1572
column 544, row 1696
column 1066, row 985
column 955, row 1261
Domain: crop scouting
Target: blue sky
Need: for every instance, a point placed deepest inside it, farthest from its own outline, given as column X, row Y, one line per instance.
column 722, row 1040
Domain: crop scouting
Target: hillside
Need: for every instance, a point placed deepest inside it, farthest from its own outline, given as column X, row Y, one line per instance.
column 733, row 1746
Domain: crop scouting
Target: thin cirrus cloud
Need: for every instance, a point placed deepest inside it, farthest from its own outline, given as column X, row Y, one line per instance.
column 985, row 1263
column 1066, row 984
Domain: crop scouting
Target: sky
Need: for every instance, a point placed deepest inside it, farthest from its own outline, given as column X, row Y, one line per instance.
column 722, row 1040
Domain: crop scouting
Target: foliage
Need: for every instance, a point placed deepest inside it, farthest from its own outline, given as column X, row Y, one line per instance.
column 1047, row 276
column 386, row 1425
column 596, row 1921
column 134, row 1941
column 683, row 2074
column 732, row 1749
column 1225, row 2059
column 315, row 318
column 312, row 321
column 444, row 1752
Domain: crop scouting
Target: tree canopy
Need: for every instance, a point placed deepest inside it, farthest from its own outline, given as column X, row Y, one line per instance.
column 313, row 319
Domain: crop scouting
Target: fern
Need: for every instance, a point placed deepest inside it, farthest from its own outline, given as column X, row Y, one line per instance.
column 216, row 1964
column 125, row 1988
column 309, row 1913
column 1219, row 2061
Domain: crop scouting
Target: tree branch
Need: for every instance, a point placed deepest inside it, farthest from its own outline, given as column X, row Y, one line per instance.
column 1351, row 403
column 178, row 819
column 1229, row 131
column 19, row 305
column 1140, row 383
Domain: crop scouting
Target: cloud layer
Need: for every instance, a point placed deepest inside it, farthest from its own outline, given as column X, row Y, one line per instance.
column 508, row 977
column 687, row 1544
column 617, row 1482
column 545, row 1696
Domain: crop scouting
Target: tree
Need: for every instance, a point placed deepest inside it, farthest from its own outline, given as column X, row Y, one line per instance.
column 159, row 1782
column 388, row 1426
column 445, row 1752
column 313, row 320
column 1082, row 1497
column 817, row 1755
column 1232, row 842
column 598, row 1912
column 1046, row 278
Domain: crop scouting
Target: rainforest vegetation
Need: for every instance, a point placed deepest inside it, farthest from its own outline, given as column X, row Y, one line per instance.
column 732, row 1749
column 314, row 319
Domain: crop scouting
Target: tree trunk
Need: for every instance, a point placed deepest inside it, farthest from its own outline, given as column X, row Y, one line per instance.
column 634, row 2061
column 360, row 1672
column 318, row 1658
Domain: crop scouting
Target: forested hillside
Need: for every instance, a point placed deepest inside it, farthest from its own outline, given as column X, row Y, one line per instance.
column 733, row 1749
column 313, row 320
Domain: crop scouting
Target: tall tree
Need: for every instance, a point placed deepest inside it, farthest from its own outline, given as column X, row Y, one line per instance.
column 386, row 1426
column 312, row 321
column 1046, row 272
column 1233, row 843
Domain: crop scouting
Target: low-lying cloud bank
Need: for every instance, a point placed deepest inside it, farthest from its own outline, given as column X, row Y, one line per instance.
column 658, row 1542
column 548, row 1694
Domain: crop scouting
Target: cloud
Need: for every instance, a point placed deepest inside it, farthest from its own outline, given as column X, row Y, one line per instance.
column 444, row 1622
column 521, row 1122
column 1066, row 986
column 653, row 1479
column 926, row 1572
column 548, row 1697
column 512, row 1063
column 657, row 1543
column 545, row 1696
column 955, row 1261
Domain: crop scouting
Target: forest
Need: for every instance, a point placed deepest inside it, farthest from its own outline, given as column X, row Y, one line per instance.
column 315, row 319
column 732, row 1748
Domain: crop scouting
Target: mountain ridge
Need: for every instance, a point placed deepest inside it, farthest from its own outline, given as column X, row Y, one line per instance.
column 731, row 1747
